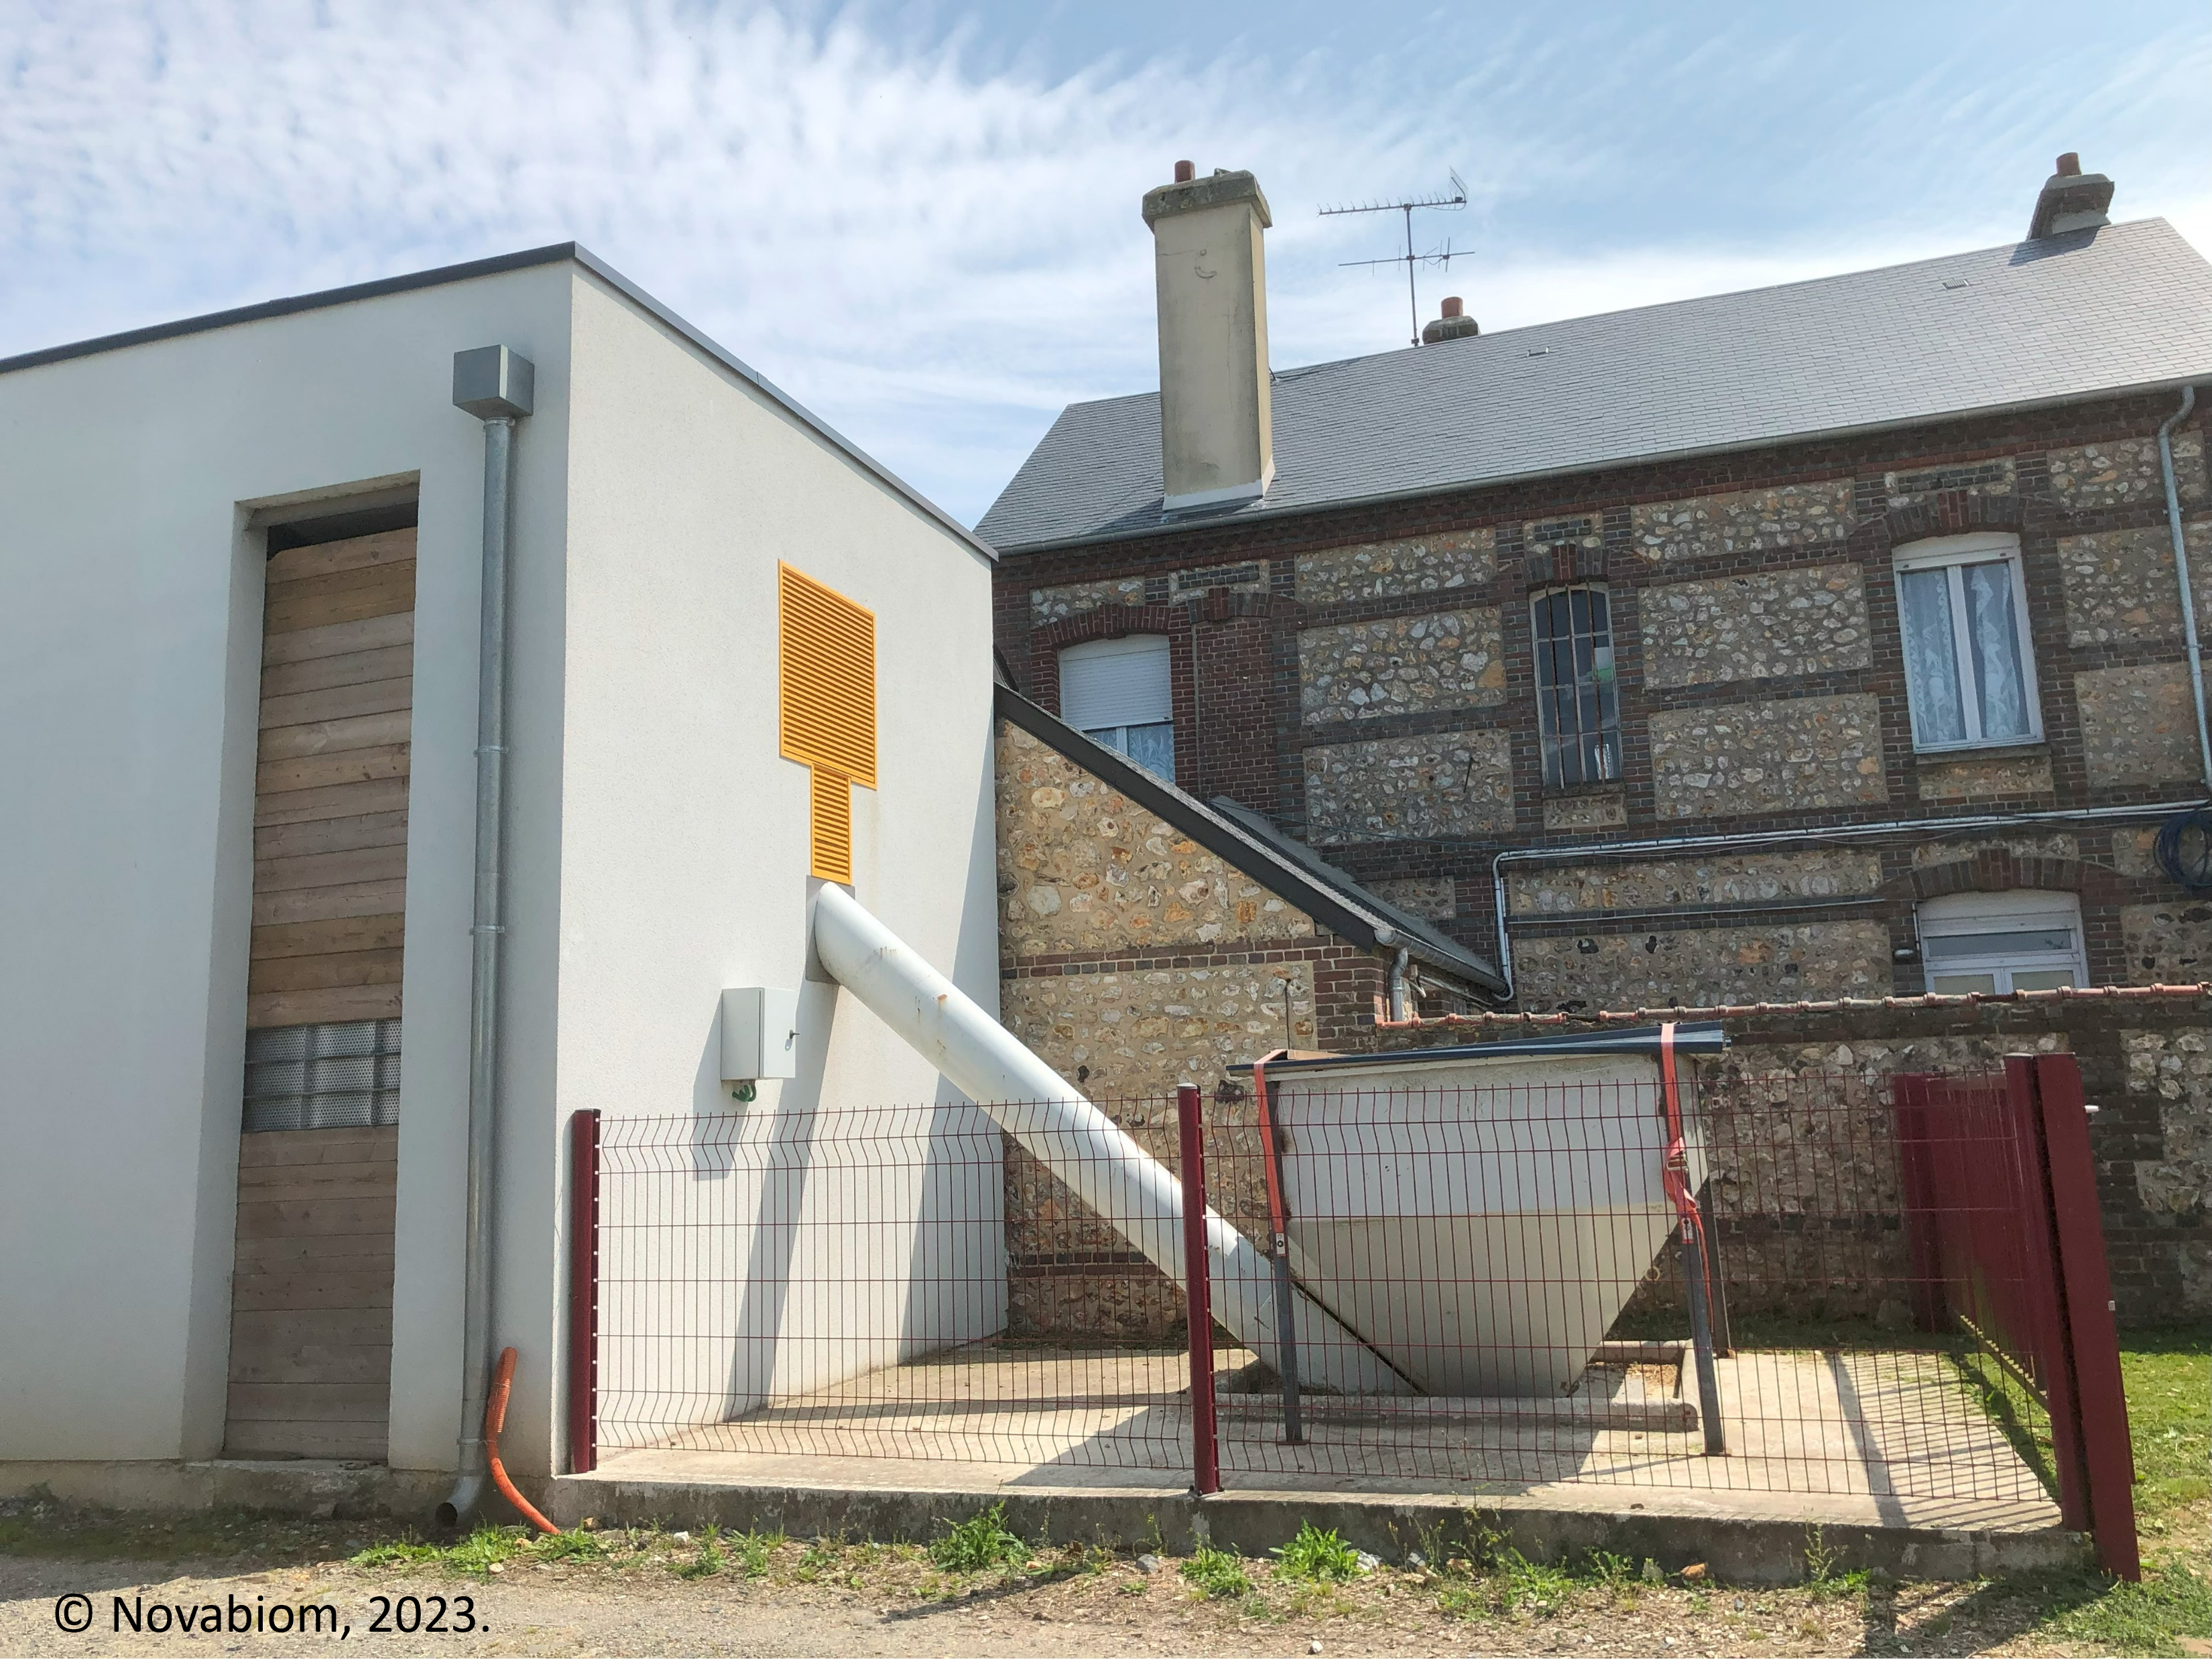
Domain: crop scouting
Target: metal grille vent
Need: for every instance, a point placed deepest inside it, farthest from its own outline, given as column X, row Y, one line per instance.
column 827, row 685
column 337, row 1073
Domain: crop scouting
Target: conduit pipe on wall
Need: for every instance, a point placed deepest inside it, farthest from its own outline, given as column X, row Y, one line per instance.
column 498, row 387
column 2181, row 576
column 1081, row 1145
column 1679, row 843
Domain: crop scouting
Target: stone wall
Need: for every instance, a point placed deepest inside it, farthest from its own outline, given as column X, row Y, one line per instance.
column 1758, row 624
column 2138, row 725
column 1047, row 606
column 1083, row 869
column 1785, row 516
column 1433, row 661
column 2120, row 586
column 1689, row 967
column 1416, row 566
column 1767, row 755
column 2125, row 472
column 1997, row 773
column 1730, row 878
column 1411, row 786
column 1140, row 1033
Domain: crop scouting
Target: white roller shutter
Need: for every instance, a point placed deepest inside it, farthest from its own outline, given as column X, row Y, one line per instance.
column 1105, row 683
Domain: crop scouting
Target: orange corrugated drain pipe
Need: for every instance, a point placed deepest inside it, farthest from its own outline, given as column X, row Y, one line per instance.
column 494, row 1419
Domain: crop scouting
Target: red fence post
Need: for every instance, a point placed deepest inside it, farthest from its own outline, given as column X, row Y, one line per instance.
column 1916, row 1177
column 583, row 1291
column 2085, row 1297
column 1197, row 1294
column 2044, row 1297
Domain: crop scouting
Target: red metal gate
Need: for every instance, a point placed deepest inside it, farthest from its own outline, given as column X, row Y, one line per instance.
column 2008, row 1245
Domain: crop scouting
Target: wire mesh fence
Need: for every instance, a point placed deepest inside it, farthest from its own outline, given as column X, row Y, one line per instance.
column 1477, row 1286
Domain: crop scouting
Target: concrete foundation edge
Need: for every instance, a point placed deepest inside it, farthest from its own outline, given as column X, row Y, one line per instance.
column 1763, row 1550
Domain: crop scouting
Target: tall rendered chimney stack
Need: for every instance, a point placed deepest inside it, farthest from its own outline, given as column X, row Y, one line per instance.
column 1216, row 433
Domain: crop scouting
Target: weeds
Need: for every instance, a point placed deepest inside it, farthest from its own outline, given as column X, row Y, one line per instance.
column 823, row 1554
column 1614, row 1573
column 707, row 1559
column 984, row 1541
column 754, row 1548
column 477, row 1555
column 1316, row 1556
column 1215, row 1574
column 1822, row 1579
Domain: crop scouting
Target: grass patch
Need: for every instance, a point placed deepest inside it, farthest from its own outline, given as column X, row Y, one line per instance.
column 1823, row 1578
column 2168, row 1378
column 755, row 1550
column 1316, row 1554
column 473, row 1555
column 1216, row 1574
column 984, row 1541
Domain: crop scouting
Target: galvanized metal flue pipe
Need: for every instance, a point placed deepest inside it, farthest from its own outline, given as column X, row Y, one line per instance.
column 498, row 387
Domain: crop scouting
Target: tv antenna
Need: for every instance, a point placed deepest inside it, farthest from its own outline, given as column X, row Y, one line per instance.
column 1442, row 256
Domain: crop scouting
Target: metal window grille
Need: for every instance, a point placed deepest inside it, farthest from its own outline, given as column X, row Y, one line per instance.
column 1577, row 706
column 333, row 1073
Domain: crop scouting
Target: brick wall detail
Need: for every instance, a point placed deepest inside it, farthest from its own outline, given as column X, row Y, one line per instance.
column 1413, row 787
column 1050, row 606
column 1683, row 967
column 1657, row 883
column 2000, row 773
column 1385, row 667
column 1758, row 624
column 1767, row 755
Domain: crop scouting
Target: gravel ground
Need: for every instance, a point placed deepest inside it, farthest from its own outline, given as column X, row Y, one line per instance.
column 650, row 1594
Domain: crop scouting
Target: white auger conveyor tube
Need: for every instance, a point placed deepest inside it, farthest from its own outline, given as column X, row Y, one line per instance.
column 1080, row 1145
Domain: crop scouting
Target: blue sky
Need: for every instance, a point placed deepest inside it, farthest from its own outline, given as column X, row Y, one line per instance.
column 922, row 218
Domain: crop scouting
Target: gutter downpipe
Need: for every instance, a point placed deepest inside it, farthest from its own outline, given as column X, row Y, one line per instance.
column 496, row 386
column 1401, row 995
column 1780, row 836
column 2181, row 576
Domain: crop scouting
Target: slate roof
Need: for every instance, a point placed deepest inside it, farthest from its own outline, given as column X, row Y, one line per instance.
column 1248, row 842
column 2105, row 311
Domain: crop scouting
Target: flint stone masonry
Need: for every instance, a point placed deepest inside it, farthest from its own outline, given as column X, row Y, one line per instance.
column 2175, row 1070
column 2126, row 471
column 1668, row 882
column 2168, row 944
column 1432, row 662
column 1760, row 624
column 1410, row 787
column 1140, row 1032
column 1434, row 899
column 1581, row 813
column 1786, row 516
column 1369, row 571
column 1997, row 775
column 2138, row 725
column 1049, row 606
column 1701, row 967
column 2135, row 853
column 1246, row 578
column 1930, row 854
column 1082, row 869
column 1779, row 754
column 2120, row 586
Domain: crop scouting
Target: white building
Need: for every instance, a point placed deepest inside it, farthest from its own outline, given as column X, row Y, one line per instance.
column 239, row 657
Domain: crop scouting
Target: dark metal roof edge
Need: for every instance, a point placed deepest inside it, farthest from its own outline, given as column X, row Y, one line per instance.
column 1254, row 517
column 1701, row 1040
column 1226, row 838
column 480, row 267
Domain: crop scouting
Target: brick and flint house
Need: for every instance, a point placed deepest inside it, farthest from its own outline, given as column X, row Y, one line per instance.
column 1815, row 655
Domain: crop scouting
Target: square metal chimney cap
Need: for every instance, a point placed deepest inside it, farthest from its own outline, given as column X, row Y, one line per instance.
column 494, row 383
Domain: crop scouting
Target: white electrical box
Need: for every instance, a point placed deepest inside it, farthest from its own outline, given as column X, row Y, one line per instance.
column 760, row 1034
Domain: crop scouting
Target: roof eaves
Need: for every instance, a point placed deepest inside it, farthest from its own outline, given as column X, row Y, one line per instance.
column 1228, row 840
column 1255, row 515
column 478, row 269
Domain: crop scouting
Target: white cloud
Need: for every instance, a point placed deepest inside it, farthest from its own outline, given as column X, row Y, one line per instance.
column 932, row 256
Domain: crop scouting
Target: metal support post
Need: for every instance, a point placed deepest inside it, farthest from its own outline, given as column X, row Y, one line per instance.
column 1198, row 1295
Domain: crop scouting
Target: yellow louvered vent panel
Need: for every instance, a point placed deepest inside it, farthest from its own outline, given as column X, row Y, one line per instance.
column 827, row 690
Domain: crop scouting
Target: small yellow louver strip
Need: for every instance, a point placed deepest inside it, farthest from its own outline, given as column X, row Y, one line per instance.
column 828, row 648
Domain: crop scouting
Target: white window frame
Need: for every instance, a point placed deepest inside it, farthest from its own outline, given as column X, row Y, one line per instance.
column 1112, row 730
column 1956, row 553
column 2021, row 910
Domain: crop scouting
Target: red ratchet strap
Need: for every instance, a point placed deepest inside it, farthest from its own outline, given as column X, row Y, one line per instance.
column 1276, row 1224
column 1675, row 1173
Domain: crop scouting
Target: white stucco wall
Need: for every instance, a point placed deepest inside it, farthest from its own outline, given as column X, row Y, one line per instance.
column 130, row 642
column 657, row 843
column 684, row 835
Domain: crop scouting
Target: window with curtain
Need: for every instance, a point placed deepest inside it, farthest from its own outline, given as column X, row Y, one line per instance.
column 1578, row 708
column 1995, row 943
column 1970, row 674
column 1117, row 693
